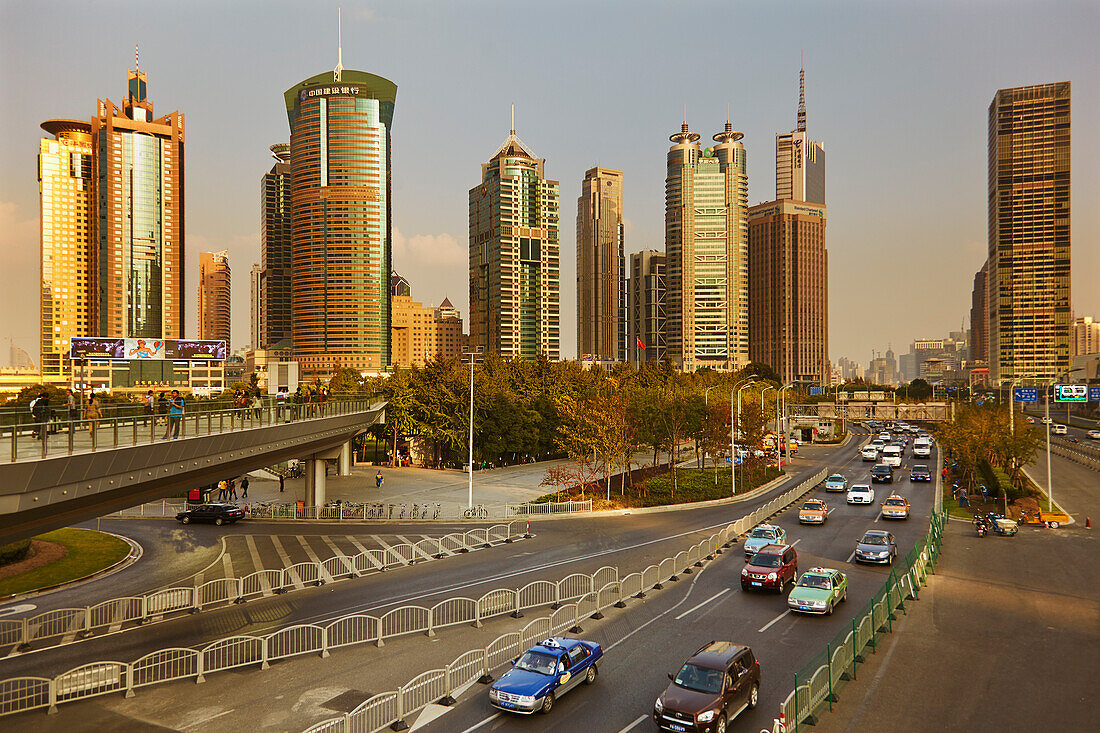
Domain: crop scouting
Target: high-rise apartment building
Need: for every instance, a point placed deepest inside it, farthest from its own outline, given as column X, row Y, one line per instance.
column 421, row 333
column 979, row 318
column 514, row 253
column 1028, row 267
column 799, row 161
column 340, row 147
column 601, row 266
column 789, row 290
column 65, row 184
column 1086, row 336
column 706, row 245
column 215, row 281
column 646, row 304
column 137, row 270
column 256, row 284
column 274, row 317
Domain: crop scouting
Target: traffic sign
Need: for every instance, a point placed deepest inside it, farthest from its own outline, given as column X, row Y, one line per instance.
column 1094, row 394
column 1026, row 394
column 816, row 390
column 1071, row 393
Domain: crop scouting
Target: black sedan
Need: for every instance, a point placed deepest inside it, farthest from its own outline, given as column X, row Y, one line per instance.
column 876, row 546
column 920, row 473
column 219, row 514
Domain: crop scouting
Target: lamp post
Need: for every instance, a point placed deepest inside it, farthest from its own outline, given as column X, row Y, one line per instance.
column 786, row 423
column 733, row 445
column 763, row 419
column 470, row 494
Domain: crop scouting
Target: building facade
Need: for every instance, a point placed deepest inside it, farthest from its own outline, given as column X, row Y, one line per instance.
column 256, row 284
column 514, row 256
column 215, row 288
column 1028, row 266
column 340, row 185
column 138, row 227
column 273, row 304
column 66, row 180
column 1086, row 336
column 706, row 245
column 646, row 303
column 601, row 266
column 799, row 161
column 979, row 318
column 421, row 333
column 789, row 291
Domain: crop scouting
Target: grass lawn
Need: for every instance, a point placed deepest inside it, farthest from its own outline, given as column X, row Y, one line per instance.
column 692, row 484
column 89, row 551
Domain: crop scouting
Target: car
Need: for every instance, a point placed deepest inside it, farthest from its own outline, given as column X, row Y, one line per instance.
column 818, row 591
column 770, row 569
column 861, row 494
column 922, row 448
column 879, row 443
column 836, row 482
column 1030, row 420
column 882, row 473
column 219, row 514
column 1059, row 429
column 895, row 507
column 713, row 687
column 920, row 472
column 891, row 456
column 1094, row 434
column 876, row 546
column 764, row 534
column 813, row 511
column 1046, row 421
column 869, row 453
column 544, row 673
column 885, row 437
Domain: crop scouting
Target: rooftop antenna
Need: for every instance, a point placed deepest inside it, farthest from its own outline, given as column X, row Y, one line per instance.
column 801, row 95
column 137, row 64
column 512, row 130
column 339, row 70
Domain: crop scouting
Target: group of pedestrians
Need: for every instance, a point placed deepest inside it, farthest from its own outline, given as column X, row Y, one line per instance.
column 227, row 489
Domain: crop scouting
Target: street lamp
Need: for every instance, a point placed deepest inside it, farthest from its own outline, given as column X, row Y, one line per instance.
column 763, row 419
column 733, row 445
column 473, row 357
column 786, row 422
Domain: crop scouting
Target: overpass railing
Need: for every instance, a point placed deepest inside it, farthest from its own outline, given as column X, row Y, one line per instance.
column 572, row 598
column 34, row 441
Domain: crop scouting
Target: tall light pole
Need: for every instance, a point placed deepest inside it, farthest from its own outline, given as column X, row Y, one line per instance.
column 786, row 423
column 733, row 456
column 763, row 419
column 470, row 495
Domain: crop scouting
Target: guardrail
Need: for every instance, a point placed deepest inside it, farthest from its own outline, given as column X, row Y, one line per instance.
column 571, row 598
column 819, row 682
column 1079, row 453
column 65, row 625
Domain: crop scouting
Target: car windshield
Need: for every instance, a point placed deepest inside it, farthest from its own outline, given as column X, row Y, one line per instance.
column 700, row 679
column 537, row 662
column 761, row 533
column 873, row 539
column 814, row 506
column 814, row 581
column 836, row 477
column 859, row 489
column 895, row 502
column 762, row 560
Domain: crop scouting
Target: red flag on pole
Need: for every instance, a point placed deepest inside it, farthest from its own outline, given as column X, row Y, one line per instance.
column 641, row 345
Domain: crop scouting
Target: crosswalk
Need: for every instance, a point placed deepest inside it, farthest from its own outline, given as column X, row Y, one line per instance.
column 246, row 553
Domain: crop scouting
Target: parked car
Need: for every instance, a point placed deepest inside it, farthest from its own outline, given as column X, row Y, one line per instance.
column 836, row 482
column 895, row 507
column 813, row 511
column 861, row 494
column 882, row 474
column 720, row 681
column 876, row 546
column 818, row 591
column 544, row 673
column 219, row 514
column 920, row 473
column 770, row 569
column 764, row 534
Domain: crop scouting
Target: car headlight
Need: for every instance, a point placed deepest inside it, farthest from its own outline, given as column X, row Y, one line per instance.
column 658, row 706
column 526, row 699
column 744, row 572
column 818, row 604
column 707, row 716
column 493, row 693
column 771, row 576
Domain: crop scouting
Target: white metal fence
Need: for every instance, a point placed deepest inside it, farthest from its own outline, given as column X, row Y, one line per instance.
column 62, row 626
column 572, row 599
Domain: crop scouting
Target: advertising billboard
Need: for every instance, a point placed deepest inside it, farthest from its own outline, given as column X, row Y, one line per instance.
column 1071, row 393
column 194, row 350
column 96, row 348
column 144, row 349
column 133, row 349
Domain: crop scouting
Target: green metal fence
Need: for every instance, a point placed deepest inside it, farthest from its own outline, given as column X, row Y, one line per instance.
column 819, row 683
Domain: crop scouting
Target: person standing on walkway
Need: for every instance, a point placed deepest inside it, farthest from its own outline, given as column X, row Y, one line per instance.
column 244, row 487
column 40, row 413
column 282, row 478
column 280, row 404
column 162, row 408
column 70, row 408
column 150, row 407
column 175, row 415
column 223, row 490
column 232, row 495
column 378, row 480
column 92, row 415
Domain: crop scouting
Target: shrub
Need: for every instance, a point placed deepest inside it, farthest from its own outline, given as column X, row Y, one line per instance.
column 14, row 552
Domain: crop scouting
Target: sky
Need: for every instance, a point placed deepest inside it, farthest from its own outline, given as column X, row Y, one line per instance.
column 898, row 92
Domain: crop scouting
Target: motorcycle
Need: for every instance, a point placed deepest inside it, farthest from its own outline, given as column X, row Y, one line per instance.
column 979, row 525
column 1000, row 525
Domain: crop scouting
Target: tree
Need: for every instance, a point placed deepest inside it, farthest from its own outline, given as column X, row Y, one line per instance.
column 679, row 415
column 715, row 432
column 919, row 390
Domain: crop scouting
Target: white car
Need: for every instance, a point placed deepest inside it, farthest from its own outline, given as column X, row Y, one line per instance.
column 861, row 494
column 1046, row 421
column 869, row 453
column 922, row 448
column 891, row 456
column 1094, row 434
column 1059, row 429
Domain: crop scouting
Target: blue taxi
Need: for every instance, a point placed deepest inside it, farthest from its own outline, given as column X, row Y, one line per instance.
column 544, row 673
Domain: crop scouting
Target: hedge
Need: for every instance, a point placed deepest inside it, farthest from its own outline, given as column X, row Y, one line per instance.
column 14, row 552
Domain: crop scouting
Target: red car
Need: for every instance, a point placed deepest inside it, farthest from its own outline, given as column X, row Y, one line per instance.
column 771, row 568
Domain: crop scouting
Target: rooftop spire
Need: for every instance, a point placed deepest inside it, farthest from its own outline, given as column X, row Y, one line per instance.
column 685, row 135
column 512, row 130
column 802, row 99
column 137, row 64
column 339, row 70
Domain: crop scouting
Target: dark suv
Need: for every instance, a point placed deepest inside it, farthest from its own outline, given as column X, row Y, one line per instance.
column 882, row 474
column 711, row 689
column 772, row 567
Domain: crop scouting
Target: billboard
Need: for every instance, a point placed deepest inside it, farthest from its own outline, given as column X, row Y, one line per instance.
column 133, row 349
column 816, row 391
column 1094, row 394
column 1071, row 393
column 1026, row 394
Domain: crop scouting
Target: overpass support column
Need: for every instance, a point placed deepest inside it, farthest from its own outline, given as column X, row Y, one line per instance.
column 344, row 463
column 315, row 481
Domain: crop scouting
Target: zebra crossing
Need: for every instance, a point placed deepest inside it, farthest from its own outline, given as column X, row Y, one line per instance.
column 247, row 553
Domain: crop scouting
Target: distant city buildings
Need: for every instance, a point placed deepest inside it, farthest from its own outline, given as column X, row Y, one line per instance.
column 272, row 284
column 799, row 161
column 849, row 370
column 514, row 256
column 646, row 303
column 1028, row 265
column 883, row 369
column 979, row 317
column 255, row 305
column 1086, row 336
column 214, row 301
column 706, row 246
column 421, row 333
column 601, row 276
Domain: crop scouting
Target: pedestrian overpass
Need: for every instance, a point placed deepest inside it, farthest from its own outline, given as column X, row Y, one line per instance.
column 62, row 473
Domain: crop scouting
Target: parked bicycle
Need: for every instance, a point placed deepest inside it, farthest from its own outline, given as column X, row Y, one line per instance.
column 478, row 512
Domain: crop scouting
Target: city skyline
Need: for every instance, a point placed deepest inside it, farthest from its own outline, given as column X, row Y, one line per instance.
column 870, row 135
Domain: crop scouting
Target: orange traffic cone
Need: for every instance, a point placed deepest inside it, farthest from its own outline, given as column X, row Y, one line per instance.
column 1088, row 523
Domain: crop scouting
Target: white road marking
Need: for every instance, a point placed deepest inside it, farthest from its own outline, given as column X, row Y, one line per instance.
column 337, row 552
column 877, row 517
column 851, row 556
column 250, row 542
column 227, row 565
column 389, row 549
column 204, row 721
column 662, row 614
column 314, row 557
column 831, row 511
column 358, row 545
column 488, row 720
column 293, row 574
column 796, row 542
column 780, row 617
column 635, row 724
column 412, row 543
column 700, row 605
column 21, row 608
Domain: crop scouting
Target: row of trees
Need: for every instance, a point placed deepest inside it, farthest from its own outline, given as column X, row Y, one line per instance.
column 983, row 433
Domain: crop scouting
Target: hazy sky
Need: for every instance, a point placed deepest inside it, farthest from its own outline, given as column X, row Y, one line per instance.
column 897, row 91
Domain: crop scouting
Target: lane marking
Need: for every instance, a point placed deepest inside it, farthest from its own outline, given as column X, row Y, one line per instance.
column 321, row 571
column 412, row 543
column 878, row 517
column 780, row 617
column 337, row 552
column 851, row 556
column 227, row 565
column 488, row 720
column 250, row 542
column 796, row 542
column 635, row 724
column 204, row 721
column 389, row 549
column 697, row 606
column 285, row 558
column 21, row 608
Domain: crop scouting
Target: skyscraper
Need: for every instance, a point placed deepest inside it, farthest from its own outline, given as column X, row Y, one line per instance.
column 799, row 161
column 137, row 270
column 65, row 184
column 601, row 296
column 706, row 244
column 979, row 318
column 257, row 283
column 514, row 269
column 340, row 133
column 1028, row 267
column 275, row 251
column 1086, row 336
column 215, row 281
column 646, row 305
